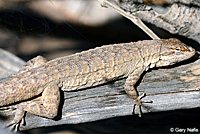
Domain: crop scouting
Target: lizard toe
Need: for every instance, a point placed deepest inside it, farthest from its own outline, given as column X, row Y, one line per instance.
column 15, row 124
column 9, row 108
column 139, row 104
column 18, row 120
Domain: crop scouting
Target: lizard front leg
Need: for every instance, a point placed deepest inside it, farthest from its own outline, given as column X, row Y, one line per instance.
column 131, row 91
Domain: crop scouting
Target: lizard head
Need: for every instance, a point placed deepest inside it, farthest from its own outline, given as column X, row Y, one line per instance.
column 173, row 51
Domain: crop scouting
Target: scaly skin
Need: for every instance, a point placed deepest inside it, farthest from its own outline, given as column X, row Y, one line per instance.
column 86, row 69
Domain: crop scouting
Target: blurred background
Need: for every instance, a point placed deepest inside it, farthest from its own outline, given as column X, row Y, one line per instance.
column 55, row 28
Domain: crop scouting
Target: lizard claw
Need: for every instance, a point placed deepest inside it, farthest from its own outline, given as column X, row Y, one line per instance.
column 9, row 108
column 139, row 102
column 15, row 124
column 18, row 120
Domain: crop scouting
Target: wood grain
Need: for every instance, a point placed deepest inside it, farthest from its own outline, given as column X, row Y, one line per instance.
column 180, row 18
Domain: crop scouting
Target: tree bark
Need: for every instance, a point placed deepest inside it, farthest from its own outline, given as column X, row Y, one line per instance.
column 175, row 17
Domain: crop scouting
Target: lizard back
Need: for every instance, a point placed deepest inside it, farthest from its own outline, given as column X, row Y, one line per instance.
column 103, row 64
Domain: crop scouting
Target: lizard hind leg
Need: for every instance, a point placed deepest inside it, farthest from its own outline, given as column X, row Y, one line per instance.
column 20, row 112
column 48, row 104
column 45, row 106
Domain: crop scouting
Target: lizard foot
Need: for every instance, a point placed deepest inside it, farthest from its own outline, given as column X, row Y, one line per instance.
column 14, row 125
column 18, row 120
column 139, row 102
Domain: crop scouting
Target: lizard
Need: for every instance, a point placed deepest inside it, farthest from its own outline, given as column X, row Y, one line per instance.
column 93, row 67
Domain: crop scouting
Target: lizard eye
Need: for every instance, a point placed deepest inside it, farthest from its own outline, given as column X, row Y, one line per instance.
column 177, row 51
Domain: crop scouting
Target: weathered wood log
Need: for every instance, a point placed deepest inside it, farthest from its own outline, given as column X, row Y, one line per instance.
column 178, row 17
column 170, row 88
column 9, row 63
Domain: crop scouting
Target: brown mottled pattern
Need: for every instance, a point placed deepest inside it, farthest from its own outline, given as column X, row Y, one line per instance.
column 86, row 69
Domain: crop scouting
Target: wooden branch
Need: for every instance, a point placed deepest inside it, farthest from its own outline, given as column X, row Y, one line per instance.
column 177, row 18
column 137, row 21
column 168, row 88
column 9, row 63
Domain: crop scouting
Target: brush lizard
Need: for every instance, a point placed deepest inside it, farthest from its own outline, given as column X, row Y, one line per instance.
column 43, row 78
